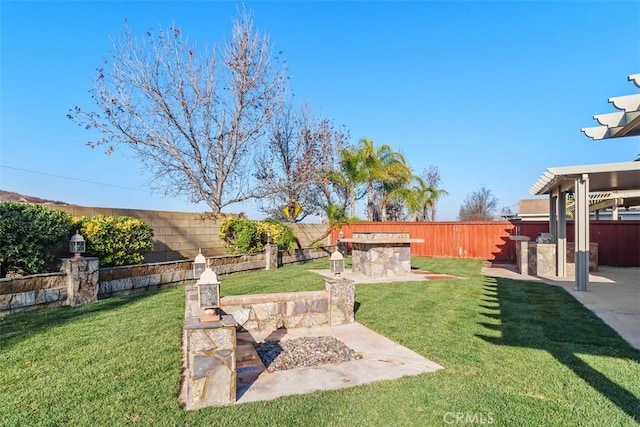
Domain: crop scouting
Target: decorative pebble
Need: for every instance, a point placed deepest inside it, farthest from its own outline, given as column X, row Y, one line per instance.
column 304, row 352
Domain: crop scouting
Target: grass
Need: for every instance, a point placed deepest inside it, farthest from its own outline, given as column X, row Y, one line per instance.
column 515, row 354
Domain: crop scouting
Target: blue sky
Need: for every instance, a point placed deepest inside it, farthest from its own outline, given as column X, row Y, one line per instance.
column 490, row 92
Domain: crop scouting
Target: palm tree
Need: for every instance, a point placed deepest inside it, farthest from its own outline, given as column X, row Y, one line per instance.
column 416, row 199
column 351, row 175
column 380, row 168
column 421, row 200
column 397, row 175
column 436, row 194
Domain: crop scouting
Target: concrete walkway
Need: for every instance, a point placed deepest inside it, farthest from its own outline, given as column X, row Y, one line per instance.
column 382, row 359
column 413, row 276
column 613, row 295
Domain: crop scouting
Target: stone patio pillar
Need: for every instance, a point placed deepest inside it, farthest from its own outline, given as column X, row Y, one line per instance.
column 209, row 349
column 82, row 280
column 211, row 362
column 341, row 300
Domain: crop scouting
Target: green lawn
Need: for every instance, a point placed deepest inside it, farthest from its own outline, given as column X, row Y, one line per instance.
column 515, row 353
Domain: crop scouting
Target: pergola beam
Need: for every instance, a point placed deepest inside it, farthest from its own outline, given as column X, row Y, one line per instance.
column 619, row 124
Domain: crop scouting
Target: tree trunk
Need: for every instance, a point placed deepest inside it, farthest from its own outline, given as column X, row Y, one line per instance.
column 370, row 201
column 352, row 200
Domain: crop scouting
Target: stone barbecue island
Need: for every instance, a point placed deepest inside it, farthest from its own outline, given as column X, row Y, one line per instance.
column 381, row 254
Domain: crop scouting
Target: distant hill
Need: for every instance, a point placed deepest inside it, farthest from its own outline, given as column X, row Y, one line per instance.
column 9, row 196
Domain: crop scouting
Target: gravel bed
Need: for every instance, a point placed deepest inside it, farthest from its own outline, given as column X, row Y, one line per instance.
column 304, row 352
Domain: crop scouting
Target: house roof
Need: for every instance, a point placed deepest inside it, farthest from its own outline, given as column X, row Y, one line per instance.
column 533, row 207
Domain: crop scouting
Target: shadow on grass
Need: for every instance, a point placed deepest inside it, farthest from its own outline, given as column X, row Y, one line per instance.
column 17, row 327
column 539, row 316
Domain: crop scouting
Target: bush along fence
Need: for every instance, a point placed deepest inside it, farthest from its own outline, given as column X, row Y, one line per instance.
column 81, row 281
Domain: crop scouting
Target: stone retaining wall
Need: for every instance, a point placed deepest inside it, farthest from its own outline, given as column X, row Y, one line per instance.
column 32, row 292
column 50, row 290
column 268, row 312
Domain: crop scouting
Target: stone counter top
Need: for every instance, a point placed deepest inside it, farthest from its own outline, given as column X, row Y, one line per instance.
column 380, row 241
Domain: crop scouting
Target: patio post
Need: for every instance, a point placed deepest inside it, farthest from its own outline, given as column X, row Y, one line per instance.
column 561, row 238
column 582, row 233
column 553, row 216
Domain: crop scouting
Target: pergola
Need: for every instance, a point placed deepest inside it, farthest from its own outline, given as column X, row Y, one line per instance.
column 614, row 183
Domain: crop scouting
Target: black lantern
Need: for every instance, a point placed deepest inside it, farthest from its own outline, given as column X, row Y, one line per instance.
column 337, row 262
column 77, row 245
column 199, row 265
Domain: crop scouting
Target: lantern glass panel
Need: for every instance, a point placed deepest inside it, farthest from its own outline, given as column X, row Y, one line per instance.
column 199, row 265
column 198, row 269
column 209, row 295
column 337, row 265
column 75, row 246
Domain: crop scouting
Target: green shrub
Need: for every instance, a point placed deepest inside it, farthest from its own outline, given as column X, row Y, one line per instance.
column 240, row 236
column 279, row 234
column 116, row 240
column 28, row 234
column 244, row 236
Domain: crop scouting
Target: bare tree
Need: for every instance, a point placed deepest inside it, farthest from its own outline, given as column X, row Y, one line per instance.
column 478, row 206
column 302, row 149
column 433, row 179
column 195, row 119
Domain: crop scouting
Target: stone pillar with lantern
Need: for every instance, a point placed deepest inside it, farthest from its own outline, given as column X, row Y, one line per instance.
column 341, row 292
column 210, row 342
column 82, row 273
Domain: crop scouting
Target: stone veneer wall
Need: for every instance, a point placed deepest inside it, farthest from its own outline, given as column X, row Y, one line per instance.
column 268, row 312
column 50, row 290
column 539, row 259
column 381, row 254
column 32, row 292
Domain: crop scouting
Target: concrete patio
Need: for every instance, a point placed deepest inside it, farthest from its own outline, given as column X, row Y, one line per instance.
column 613, row 295
column 382, row 359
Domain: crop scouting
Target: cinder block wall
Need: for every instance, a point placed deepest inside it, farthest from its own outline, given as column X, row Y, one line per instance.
column 179, row 235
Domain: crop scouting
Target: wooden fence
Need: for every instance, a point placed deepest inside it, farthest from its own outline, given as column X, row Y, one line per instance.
column 618, row 241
